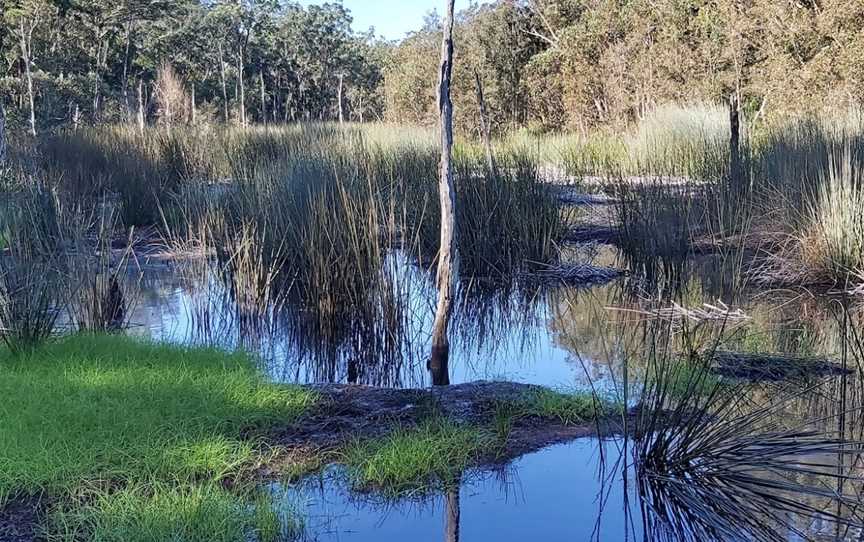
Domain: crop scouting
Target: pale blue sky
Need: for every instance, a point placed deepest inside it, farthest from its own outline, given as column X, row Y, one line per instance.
column 391, row 18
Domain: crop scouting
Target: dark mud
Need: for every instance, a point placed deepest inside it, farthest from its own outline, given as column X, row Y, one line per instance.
column 20, row 519
column 773, row 367
column 352, row 412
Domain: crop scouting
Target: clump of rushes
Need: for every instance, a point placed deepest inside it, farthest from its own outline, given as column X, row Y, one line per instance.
column 191, row 513
column 146, row 424
column 432, row 455
column 835, row 242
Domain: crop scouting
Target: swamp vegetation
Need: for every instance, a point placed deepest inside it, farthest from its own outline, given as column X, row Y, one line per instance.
column 221, row 330
column 313, row 249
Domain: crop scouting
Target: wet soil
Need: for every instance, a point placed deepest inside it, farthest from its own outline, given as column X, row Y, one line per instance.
column 20, row 519
column 773, row 367
column 352, row 412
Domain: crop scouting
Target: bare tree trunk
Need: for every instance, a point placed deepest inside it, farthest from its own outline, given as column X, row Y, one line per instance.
column 226, row 115
column 241, row 85
column 141, row 106
column 76, row 117
column 2, row 135
column 26, row 42
column 339, row 97
column 438, row 362
column 263, row 98
column 194, row 106
column 484, row 124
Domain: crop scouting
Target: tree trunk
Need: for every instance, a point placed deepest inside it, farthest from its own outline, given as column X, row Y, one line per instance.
column 241, row 85
column 263, row 98
column 735, row 143
column 141, row 106
column 484, row 124
column 2, row 135
column 339, row 97
column 438, row 363
column 125, row 82
column 26, row 41
column 194, row 107
column 226, row 114
column 454, row 513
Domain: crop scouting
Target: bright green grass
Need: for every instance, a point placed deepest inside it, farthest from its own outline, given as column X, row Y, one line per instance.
column 113, row 409
column 431, row 455
column 567, row 408
column 132, row 439
column 199, row 513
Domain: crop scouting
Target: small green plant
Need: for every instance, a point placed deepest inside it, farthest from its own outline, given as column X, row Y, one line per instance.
column 410, row 459
column 567, row 408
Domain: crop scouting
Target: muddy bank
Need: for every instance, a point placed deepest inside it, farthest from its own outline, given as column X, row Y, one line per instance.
column 352, row 412
column 20, row 519
column 773, row 367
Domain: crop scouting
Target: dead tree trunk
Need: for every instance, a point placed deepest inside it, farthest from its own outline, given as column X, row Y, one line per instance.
column 438, row 362
column 484, row 124
column 241, row 63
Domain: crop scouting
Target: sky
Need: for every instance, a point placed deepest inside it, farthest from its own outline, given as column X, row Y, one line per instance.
column 391, row 18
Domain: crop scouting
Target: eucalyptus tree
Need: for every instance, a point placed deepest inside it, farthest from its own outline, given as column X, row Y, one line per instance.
column 241, row 22
column 22, row 20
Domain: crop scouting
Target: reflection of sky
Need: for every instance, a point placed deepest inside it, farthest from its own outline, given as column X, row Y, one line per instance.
column 554, row 494
column 514, row 347
column 559, row 338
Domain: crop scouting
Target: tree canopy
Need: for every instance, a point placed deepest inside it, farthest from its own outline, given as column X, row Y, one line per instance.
column 545, row 64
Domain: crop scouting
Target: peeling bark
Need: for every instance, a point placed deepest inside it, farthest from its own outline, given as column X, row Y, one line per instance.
column 438, row 363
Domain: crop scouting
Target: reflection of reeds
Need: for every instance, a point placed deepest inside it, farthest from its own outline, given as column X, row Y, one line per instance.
column 722, row 460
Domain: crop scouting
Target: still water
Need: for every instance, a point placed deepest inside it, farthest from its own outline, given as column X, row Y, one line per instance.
column 562, row 336
column 560, row 493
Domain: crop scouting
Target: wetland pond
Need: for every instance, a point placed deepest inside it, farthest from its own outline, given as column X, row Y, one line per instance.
column 569, row 337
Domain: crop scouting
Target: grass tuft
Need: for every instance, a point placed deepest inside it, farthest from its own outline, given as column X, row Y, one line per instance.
column 199, row 513
column 431, row 455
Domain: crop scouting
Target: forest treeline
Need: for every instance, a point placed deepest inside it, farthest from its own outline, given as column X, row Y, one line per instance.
column 543, row 64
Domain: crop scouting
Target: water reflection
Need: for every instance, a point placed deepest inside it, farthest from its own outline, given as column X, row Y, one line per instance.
column 560, row 336
column 552, row 495
column 585, row 490
column 556, row 336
